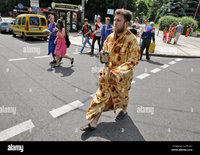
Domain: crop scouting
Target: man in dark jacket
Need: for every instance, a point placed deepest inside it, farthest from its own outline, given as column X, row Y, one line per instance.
column 86, row 30
column 147, row 35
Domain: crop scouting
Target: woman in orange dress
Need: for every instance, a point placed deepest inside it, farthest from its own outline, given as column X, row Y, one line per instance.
column 172, row 32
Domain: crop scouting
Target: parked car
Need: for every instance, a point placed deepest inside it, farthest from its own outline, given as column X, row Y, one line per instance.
column 30, row 25
column 6, row 24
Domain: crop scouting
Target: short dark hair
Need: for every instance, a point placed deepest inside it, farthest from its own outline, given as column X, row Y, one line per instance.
column 125, row 13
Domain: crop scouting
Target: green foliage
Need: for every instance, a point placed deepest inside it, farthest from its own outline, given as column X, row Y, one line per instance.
column 174, row 8
column 187, row 21
column 166, row 21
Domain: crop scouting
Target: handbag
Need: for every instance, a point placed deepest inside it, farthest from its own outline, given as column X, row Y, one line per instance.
column 152, row 48
column 68, row 43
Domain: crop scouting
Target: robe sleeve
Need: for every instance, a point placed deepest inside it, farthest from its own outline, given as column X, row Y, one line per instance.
column 124, row 71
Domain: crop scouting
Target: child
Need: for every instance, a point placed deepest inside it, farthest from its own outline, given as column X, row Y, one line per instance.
column 60, row 42
column 165, row 31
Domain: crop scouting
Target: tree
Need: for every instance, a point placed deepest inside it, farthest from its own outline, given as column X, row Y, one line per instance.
column 176, row 8
column 142, row 9
column 156, row 4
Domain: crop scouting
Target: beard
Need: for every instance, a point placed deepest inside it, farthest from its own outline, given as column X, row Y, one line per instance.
column 121, row 30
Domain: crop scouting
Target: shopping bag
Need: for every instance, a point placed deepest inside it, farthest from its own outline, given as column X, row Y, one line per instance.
column 152, row 48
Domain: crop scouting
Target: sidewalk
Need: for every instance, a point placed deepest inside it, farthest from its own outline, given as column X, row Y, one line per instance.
column 186, row 48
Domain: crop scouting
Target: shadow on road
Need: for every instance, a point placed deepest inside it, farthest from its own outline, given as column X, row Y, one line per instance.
column 123, row 130
column 155, row 63
column 65, row 71
column 32, row 40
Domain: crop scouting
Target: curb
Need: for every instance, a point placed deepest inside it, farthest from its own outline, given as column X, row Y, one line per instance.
column 174, row 56
column 159, row 55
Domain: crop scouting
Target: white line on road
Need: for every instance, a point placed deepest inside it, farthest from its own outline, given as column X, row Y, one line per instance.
column 179, row 59
column 65, row 109
column 19, row 59
column 40, row 57
column 164, row 66
column 13, row 131
column 92, row 95
column 142, row 76
column 172, row 62
column 156, row 70
column 133, row 82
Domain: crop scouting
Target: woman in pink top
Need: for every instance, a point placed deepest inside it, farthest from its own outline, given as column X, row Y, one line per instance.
column 60, row 42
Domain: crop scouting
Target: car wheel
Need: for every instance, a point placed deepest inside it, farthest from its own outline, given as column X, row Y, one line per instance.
column 14, row 35
column 45, row 38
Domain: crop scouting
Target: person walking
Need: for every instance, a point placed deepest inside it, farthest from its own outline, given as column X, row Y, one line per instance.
column 106, row 31
column 60, row 42
column 116, row 77
column 97, row 34
column 179, row 31
column 147, row 35
column 172, row 32
column 165, row 31
column 52, row 37
column 86, row 31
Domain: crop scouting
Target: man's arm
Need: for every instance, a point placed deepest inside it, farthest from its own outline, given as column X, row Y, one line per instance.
column 125, row 69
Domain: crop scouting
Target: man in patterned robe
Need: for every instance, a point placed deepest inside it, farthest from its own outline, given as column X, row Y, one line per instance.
column 116, row 77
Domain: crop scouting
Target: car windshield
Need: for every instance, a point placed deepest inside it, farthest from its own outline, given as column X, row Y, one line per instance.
column 34, row 21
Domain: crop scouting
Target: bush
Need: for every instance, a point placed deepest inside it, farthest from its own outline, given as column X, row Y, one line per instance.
column 187, row 21
column 166, row 21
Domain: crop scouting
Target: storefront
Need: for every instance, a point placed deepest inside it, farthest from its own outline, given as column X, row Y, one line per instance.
column 69, row 14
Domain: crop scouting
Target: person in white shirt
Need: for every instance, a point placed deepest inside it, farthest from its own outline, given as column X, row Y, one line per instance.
column 97, row 34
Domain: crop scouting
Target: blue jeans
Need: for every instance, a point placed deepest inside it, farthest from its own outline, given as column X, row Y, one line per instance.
column 86, row 41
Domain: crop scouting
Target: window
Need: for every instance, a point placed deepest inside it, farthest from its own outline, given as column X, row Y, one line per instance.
column 16, row 21
column 19, row 21
column 23, row 20
column 43, row 22
column 34, row 21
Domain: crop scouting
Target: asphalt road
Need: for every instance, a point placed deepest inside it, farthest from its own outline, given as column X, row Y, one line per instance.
column 164, row 99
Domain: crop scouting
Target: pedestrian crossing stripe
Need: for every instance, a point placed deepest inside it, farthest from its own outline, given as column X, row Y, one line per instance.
column 65, row 109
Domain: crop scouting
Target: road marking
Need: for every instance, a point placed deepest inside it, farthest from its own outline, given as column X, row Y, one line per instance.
column 179, row 59
column 92, row 95
column 75, row 53
column 142, row 76
column 156, row 70
column 13, row 131
column 172, row 62
column 40, row 57
column 65, row 109
column 132, row 82
column 165, row 66
column 19, row 59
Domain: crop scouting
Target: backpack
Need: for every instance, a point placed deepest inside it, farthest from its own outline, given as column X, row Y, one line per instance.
column 68, row 43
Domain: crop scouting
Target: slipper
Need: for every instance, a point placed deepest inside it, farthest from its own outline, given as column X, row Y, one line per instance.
column 88, row 127
column 121, row 115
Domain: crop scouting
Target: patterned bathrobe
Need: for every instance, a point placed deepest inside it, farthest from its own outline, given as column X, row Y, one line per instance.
column 116, row 77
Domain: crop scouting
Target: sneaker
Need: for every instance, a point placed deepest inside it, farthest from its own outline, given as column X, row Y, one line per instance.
column 53, row 62
column 72, row 61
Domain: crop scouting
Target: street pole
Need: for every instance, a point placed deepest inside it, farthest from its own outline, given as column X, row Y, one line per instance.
column 83, row 12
